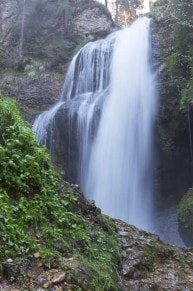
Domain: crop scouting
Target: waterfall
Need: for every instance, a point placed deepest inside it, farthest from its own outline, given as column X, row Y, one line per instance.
column 109, row 104
column 119, row 175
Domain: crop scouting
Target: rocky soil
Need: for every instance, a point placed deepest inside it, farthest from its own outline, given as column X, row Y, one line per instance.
column 146, row 264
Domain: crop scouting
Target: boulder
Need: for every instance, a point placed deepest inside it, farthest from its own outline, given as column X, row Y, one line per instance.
column 94, row 21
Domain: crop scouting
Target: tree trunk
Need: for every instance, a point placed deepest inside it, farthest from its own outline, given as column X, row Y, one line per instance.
column 116, row 11
column 22, row 31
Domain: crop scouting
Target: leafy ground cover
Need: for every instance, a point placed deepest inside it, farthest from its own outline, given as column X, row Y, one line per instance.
column 41, row 216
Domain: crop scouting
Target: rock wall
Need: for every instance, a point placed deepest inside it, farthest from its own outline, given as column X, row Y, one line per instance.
column 49, row 30
column 53, row 31
column 174, row 169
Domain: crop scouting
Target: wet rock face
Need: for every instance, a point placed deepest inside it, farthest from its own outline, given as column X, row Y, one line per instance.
column 63, row 141
column 173, row 171
column 65, row 157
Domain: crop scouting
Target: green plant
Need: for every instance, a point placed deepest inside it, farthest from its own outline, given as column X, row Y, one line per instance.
column 150, row 257
column 179, row 63
column 185, row 211
column 187, row 94
column 40, row 214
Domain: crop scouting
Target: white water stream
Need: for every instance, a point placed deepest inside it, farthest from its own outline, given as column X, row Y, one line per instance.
column 120, row 170
column 115, row 147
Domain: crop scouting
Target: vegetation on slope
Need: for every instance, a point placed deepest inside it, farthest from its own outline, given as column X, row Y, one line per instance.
column 42, row 217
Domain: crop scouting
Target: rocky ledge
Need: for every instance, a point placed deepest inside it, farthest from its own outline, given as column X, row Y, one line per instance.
column 149, row 264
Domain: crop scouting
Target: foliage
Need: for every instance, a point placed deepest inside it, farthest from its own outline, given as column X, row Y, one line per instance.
column 150, row 257
column 185, row 211
column 182, row 11
column 38, row 213
column 180, row 66
column 187, row 93
column 176, row 64
column 179, row 48
column 24, row 167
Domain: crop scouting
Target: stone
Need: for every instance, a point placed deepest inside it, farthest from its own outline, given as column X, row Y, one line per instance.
column 37, row 255
column 9, row 261
column 46, row 285
column 59, row 278
column 123, row 233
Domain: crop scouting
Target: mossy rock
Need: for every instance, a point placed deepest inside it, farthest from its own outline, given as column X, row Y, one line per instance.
column 185, row 217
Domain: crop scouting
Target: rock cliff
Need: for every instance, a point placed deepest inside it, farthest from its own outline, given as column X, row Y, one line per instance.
column 174, row 170
column 37, row 41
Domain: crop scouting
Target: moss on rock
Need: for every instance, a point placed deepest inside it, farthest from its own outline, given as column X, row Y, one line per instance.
column 185, row 217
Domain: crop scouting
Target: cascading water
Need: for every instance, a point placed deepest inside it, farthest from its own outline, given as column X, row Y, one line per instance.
column 119, row 175
column 115, row 146
column 83, row 93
